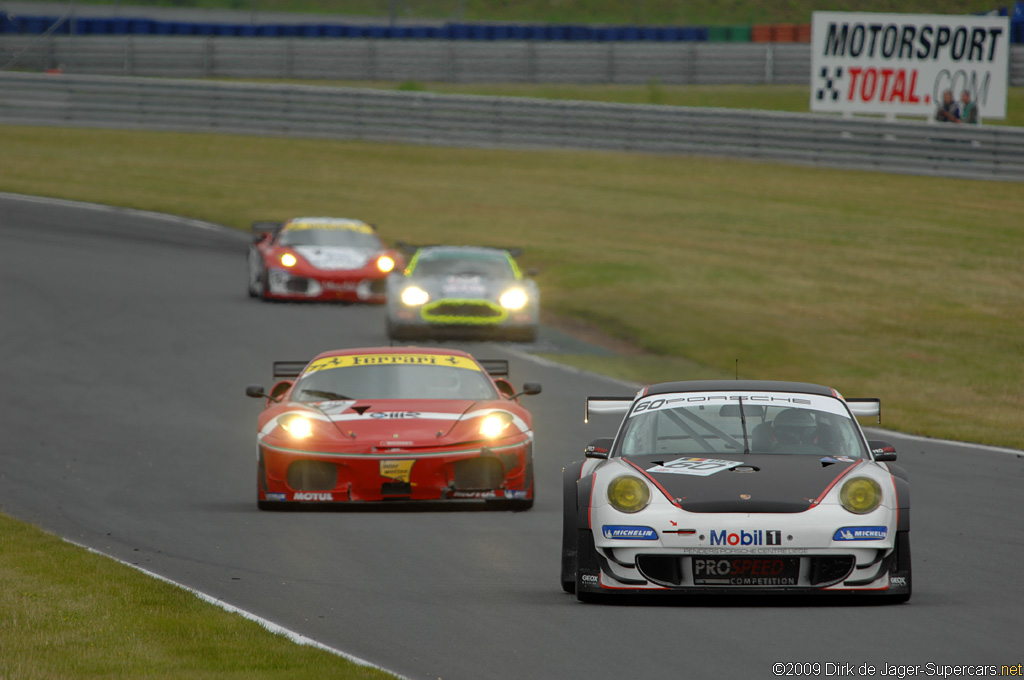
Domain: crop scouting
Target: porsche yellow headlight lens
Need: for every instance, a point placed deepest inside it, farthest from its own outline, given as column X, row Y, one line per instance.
column 493, row 425
column 860, row 495
column 414, row 297
column 288, row 260
column 629, row 493
column 513, row 298
column 385, row 263
column 298, row 427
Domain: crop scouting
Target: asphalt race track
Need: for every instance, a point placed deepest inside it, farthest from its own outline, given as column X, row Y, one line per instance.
column 127, row 341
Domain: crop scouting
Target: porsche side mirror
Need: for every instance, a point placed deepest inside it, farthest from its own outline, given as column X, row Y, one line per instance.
column 882, row 451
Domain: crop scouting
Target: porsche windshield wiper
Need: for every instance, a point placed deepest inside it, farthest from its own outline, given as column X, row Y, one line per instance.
column 325, row 394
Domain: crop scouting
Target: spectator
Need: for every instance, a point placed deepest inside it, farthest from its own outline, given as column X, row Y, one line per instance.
column 968, row 109
column 947, row 112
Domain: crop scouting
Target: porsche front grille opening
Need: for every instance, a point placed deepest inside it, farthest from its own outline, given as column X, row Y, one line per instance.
column 474, row 474
column 465, row 309
column 312, row 475
column 830, row 569
column 666, row 570
column 296, row 285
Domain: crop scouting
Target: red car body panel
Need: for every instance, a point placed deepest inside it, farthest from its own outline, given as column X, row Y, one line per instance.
column 375, row 450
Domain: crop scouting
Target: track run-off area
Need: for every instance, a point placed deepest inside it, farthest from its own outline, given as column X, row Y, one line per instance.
column 127, row 342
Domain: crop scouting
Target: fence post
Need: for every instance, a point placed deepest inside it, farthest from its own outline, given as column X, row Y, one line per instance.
column 769, row 64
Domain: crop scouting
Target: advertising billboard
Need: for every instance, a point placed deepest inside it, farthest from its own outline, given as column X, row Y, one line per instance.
column 902, row 64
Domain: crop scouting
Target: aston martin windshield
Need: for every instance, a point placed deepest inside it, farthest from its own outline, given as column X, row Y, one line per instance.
column 731, row 423
column 329, row 237
column 490, row 267
column 399, row 376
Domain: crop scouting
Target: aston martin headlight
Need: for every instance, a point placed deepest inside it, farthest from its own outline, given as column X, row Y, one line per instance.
column 288, row 260
column 629, row 493
column 298, row 426
column 385, row 263
column 513, row 298
column 860, row 495
column 414, row 296
column 494, row 424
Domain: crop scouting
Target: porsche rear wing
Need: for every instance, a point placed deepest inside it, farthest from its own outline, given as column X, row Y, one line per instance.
column 496, row 368
column 867, row 407
column 266, row 227
column 606, row 406
column 288, row 369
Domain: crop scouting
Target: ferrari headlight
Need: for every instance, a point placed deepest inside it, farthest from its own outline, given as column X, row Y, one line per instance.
column 494, row 424
column 513, row 298
column 288, row 260
column 414, row 296
column 629, row 493
column 385, row 263
column 860, row 495
column 298, row 426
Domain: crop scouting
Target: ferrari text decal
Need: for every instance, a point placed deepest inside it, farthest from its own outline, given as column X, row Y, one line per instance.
column 699, row 467
column 350, row 360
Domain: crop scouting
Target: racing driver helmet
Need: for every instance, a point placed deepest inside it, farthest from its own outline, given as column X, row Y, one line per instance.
column 795, row 426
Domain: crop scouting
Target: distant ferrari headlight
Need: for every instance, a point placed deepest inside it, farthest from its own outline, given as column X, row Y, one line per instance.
column 414, row 296
column 629, row 493
column 288, row 260
column 494, row 424
column 385, row 263
column 860, row 495
column 299, row 427
column 513, row 298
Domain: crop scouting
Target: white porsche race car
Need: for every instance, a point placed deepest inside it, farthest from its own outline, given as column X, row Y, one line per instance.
column 736, row 487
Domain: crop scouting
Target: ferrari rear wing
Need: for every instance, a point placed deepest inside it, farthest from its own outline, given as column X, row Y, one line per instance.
column 497, row 368
column 288, row 369
column 606, row 405
column 866, row 407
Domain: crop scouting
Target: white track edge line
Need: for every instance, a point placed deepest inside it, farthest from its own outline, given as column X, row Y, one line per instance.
column 265, row 623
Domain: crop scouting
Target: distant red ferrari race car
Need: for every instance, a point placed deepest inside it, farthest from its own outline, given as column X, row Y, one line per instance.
column 320, row 258
column 393, row 424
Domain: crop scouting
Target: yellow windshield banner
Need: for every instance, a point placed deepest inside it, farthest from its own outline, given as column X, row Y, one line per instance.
column 350, row 360
column 345, row 225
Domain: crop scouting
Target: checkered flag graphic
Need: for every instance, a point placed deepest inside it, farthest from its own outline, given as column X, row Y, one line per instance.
column 829, row 90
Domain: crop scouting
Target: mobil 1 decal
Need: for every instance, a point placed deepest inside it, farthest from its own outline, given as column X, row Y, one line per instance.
column 904, row 63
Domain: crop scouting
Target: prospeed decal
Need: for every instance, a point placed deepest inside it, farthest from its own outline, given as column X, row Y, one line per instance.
column 397, row 470
column 699, row 467
column 351, row 360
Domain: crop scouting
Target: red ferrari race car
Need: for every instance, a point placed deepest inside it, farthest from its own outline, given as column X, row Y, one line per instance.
column 320, row 258
column 393, row 424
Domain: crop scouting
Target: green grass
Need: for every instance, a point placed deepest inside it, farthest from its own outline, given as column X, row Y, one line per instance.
column 905, row 288
column 692, row 12
column 69, row 613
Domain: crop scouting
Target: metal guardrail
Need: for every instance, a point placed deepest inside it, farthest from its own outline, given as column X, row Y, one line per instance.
column 991, row 152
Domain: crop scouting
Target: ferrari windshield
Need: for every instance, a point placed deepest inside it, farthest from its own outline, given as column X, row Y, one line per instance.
column 731, row 423
column 397, row 376
column 489, row 266
column 329, row 237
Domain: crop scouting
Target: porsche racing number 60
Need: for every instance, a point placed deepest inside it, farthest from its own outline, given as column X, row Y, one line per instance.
column 389, row 424
column 736, row 486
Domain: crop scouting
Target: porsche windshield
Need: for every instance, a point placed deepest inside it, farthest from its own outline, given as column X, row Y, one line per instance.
column 784, row 423
column 394, row 382
column 485, row 267
column 329, row 237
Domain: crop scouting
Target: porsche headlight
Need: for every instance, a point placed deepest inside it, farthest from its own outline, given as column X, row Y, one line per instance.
column 494, row 424
column 860, row 495
column 513, row 298
column 288, row 260
column 385, row 263
column 299, row 427
column 414, row 296
column 629, row 493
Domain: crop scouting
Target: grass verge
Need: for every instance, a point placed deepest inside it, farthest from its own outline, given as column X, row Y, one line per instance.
column 901, row 287
column 69, row 613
